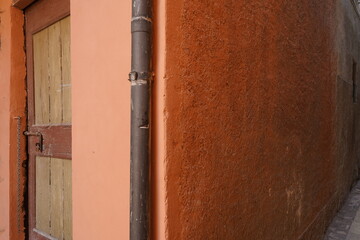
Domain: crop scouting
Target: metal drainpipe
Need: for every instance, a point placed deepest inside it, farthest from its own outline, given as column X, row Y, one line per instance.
column 140, row 78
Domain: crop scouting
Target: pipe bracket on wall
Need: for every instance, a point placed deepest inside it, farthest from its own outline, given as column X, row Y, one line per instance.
column 140, row 78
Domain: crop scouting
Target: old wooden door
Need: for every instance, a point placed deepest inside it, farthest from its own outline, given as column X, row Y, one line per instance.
column 49, row 119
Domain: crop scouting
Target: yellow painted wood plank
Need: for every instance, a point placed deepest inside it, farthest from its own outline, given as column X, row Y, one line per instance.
column 66, row 65
column 55, row 75
column 67, row 200
column 41, row 81
column 57, row 198
column 43, row 194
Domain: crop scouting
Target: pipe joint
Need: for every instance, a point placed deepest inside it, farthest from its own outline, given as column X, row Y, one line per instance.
column 144, row 76
column 141, row 24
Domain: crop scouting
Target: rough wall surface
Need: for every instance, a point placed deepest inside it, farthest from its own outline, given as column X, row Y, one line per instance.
column 347, row 112
column 254, row 113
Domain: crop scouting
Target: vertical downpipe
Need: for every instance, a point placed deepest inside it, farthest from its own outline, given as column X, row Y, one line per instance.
column 140, row 78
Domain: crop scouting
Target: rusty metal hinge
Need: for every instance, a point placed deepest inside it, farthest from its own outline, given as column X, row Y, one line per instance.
column 39, row 144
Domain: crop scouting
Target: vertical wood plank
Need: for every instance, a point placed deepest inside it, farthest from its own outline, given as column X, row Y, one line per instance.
column 65, row 64
column 67, row 200
column 55, row 74
column 57, row 198
column 41, row 81
column 43, row 195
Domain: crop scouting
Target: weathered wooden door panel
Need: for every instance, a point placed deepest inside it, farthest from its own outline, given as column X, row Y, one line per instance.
column 52, row 74
column 53, row 197
column 49, row 119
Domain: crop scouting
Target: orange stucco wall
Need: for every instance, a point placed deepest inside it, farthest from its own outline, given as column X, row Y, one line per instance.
column 260, row 133
column 12, row 104
column 5, row 120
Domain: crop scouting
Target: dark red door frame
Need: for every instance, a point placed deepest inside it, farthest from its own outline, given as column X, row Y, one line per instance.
column 21, row 4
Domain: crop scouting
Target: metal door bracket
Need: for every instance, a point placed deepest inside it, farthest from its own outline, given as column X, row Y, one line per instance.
column 39, row 144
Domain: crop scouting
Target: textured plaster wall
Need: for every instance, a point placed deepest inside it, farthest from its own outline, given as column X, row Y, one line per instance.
column 12, row 104
column 260, row 129
column 347, row 113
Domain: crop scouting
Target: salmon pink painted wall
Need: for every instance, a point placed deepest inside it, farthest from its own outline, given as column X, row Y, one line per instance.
column 101, row 54
column 100, row 49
